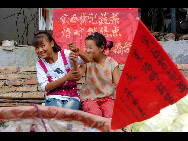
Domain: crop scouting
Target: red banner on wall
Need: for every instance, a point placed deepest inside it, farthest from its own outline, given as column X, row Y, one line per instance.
column 116, row 24
column 149, row 82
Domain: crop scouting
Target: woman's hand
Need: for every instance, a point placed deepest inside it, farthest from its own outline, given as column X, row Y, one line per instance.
column 72, row 47
column 73, row 75
column 73, row 56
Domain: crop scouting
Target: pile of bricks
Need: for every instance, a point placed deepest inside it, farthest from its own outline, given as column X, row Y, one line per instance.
column 184, row 69
column 19, row 85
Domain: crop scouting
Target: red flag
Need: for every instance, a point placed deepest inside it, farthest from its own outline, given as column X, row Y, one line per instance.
column 149, row 81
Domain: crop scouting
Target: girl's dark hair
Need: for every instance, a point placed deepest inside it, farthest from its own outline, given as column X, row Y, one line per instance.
column 100, row 40
column 38, row 39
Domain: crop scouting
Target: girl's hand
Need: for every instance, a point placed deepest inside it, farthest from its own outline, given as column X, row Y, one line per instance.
column 73, row 75
column 72, row 47
column 73, row 56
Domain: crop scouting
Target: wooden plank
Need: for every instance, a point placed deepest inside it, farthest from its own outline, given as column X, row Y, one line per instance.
column 15, row 104
column 21, row 101
column 22, row 98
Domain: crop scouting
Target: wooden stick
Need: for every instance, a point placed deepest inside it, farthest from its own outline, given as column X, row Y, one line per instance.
column 22, row 98
column 21, row 101
column 15, row 104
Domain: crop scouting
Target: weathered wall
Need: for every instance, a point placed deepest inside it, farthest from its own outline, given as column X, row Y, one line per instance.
column 26, row 56
column 177, row 50
column 19, row 24
column 18, row 56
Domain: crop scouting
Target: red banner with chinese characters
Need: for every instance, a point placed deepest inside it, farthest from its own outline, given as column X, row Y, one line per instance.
column 116, row 24
column 149, row 82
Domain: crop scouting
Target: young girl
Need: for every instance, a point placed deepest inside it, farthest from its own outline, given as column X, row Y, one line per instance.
column 98, row 92
column 54, row 72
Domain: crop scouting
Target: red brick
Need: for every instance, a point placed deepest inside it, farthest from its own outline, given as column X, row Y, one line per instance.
column 31, row 82
column 26, row 88
column 30, row 76
column 16, row 76
column 14, row 83
column 9, row 76
column 28, row 69
column 182, row 66
column 34, row 95
column 39, row 88
column 2, row 84
column 6, row 89
column 11, row 95
column 185, row 73
column 8, row 69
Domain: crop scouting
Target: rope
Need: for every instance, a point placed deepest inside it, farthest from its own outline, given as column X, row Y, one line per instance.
column 40, row 115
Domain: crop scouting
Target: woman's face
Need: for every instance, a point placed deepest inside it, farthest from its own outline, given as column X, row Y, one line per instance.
column 44, row 50
column 91, row 49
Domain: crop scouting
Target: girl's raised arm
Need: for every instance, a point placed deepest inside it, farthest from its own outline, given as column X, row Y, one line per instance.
column 83, row 55
column 116, row 75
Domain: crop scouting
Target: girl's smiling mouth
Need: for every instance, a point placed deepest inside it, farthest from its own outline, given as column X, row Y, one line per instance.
column 42, row 53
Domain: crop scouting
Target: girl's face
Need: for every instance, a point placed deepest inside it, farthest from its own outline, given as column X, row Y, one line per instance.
column 92, row 50
column 44, row 50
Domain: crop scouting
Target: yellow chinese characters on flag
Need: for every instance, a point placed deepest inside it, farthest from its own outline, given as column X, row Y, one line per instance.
column 116, row 24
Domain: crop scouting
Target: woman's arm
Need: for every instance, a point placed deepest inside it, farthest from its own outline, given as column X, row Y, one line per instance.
column 83, row 55
column 116, row 75
column 71, row 75
column 73, row 56
column 82, row 69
